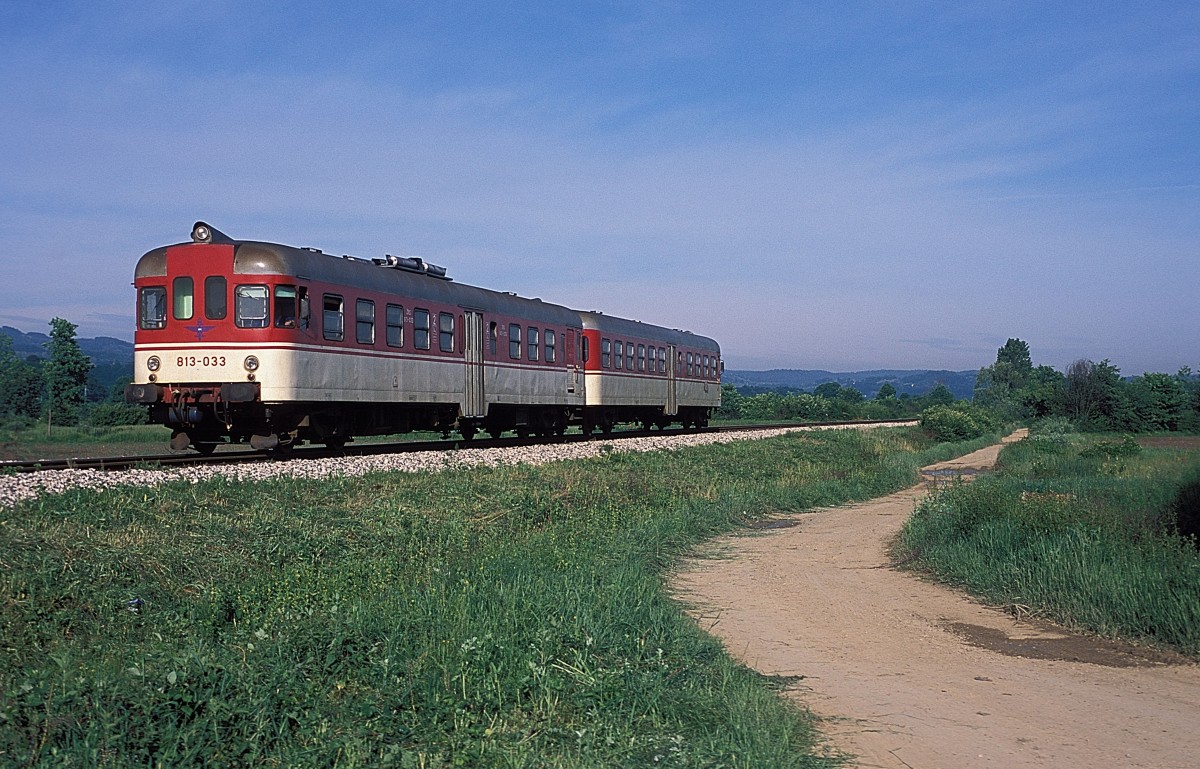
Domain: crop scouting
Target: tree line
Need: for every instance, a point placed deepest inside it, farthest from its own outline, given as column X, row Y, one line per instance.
column 829, row 401
column 58, row 390
column 1093, row 396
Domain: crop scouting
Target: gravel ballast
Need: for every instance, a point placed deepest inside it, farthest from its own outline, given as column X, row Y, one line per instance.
column 16, row 488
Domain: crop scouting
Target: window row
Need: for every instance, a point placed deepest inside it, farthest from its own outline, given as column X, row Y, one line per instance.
column 539, row 344
column 619, row 355
column 251, row 304
column 423, row 328
column 252, row 309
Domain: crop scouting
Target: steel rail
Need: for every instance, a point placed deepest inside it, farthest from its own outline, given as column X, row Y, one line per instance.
column 371, row 449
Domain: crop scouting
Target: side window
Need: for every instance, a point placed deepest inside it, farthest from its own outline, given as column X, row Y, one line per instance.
column 285, row 306
column 584, row 352
column 662, row 361
column 619, row 353
column 250, row 306
column 532, row 341
column 650, row 359
column 689, row 364
column 679, row 364
column 707, row 367
column 550, row 341
column 629, row 354
column 641, row 357
column 182, row 297
column 446, row 332
column 331, row 317
column 394, row 318
column 514, row 341
column 152, row 307
column 216, row 298
column 605, row 353
column 364, row 317
column 421, row 329
column 493, row 332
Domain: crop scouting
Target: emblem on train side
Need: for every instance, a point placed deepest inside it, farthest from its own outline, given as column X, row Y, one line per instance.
column 199, row 330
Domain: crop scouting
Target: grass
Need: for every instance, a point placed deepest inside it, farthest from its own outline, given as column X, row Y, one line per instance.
column 22, row 443
column 510, row 617
column 1080, row 529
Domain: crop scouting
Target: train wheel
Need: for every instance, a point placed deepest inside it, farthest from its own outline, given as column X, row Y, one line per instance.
column 467, row 432
column 205, row 447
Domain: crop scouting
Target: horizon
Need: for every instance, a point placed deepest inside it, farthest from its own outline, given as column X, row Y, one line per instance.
column 767, row 370
column 822, row 187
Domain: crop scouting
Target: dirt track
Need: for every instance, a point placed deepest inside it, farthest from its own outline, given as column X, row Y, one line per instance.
column 910, row 674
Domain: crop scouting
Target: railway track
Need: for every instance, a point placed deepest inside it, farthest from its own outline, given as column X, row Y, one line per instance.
column 370, row 449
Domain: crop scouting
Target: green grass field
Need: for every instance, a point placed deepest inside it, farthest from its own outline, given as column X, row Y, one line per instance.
column 1081, row 529
column 498, row 617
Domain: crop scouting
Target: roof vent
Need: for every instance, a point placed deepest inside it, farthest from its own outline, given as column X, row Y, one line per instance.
column 412, row 264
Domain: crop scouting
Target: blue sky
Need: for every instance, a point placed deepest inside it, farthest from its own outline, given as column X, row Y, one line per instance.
column 815, row 185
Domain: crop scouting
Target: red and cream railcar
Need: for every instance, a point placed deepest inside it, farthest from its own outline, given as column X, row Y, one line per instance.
column 637, row 372
column 266, row 343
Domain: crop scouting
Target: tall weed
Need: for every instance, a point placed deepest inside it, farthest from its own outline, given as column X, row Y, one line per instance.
column 1085, row 531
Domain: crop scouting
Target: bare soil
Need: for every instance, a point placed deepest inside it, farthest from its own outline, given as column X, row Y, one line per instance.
column 906, row 673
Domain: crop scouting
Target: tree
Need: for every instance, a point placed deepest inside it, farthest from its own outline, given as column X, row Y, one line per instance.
column 66, row 374
column 940, row 396
column 1013, row 365
column 999, row 386
column 1043, row 392
column 731, row 402
column 886, row 390
column 20, row 383
column 1159, row 402
column 828, row 390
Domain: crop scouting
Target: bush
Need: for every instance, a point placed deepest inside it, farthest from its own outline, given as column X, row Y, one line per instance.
column 1052, row 427
column 959, row 422
column 116, row 414
column 1186, row 509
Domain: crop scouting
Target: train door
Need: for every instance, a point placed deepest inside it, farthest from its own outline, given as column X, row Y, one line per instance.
column 571, row 358
column 672, row 384
column 473, row 404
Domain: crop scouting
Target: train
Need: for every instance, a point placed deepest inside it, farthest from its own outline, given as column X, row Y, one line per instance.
column 254, row 342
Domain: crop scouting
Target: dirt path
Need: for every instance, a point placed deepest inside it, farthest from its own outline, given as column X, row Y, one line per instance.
column 908, row 674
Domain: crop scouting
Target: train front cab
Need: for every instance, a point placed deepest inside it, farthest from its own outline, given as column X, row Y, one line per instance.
column 207, row 329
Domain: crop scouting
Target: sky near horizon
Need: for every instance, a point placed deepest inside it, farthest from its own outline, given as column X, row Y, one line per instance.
column 817, row 185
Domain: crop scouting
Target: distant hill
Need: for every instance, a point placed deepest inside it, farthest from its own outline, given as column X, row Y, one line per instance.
column 916, row 382
column 103, row 350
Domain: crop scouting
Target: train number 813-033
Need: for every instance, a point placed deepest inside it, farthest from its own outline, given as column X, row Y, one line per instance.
column 206, row 360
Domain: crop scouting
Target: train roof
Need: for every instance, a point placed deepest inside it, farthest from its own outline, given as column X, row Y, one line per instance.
column 404, row 276
column 610, row 324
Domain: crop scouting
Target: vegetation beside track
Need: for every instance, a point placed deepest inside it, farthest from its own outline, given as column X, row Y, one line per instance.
column 1093, row 531
column 514, row 616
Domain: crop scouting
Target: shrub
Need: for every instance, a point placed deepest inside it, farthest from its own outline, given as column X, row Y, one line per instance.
column 959, row 422
column 1186, row 508
column 115, row 414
